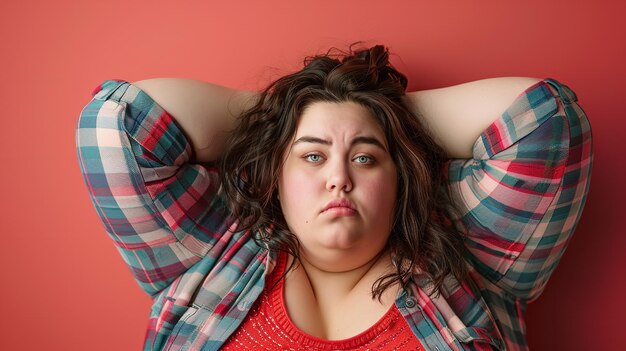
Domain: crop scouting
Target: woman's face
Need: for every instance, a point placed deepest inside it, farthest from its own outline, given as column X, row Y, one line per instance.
column 337, row 187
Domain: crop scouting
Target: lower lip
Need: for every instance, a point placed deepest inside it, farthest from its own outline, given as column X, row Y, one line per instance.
column 340, row 211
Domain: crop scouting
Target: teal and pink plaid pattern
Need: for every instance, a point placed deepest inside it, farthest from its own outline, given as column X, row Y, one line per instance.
column 522, row 194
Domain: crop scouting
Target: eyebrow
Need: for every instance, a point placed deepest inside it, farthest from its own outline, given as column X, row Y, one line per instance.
column 358, row 140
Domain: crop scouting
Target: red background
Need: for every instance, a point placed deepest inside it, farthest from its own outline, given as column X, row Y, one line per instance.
column 64, row 286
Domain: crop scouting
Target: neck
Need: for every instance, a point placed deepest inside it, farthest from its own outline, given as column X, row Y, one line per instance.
column 337, row 304
column 332, row 288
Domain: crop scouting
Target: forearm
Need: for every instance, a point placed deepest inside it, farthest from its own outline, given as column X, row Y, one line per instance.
column 457, row 115
column 206, row 112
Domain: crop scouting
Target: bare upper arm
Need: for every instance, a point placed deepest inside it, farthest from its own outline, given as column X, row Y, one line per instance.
column 458, row 114
column 205, row 111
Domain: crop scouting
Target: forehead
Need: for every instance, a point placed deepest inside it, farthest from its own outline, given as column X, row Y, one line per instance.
column 338, row 119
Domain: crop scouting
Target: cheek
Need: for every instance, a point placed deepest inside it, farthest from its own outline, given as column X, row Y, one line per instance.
column 380, row 192
column 292, row 188
column 296, row 191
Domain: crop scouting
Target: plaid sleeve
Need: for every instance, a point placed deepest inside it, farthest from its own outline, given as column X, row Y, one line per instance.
column 523, row 192
column 163, row 213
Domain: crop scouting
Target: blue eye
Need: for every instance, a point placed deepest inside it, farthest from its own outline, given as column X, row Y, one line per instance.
column 363, row 159
column 313, row 158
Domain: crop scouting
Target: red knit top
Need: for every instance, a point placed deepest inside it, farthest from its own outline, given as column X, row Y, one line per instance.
column 268, row 327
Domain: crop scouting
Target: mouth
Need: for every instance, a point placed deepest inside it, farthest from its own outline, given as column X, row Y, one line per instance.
column 342, row 207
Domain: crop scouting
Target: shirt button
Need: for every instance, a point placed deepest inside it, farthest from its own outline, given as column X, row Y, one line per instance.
column 410, row 302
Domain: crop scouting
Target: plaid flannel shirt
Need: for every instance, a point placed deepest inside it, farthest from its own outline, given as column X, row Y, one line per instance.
column 521, row 194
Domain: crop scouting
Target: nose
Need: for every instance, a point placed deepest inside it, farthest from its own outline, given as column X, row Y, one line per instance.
column 338, row 177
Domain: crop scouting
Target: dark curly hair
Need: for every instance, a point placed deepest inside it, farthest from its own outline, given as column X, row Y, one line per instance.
column 424, row 235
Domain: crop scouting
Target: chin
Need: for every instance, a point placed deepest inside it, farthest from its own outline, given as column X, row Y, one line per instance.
column 340, row 255
column 339, row 241
column 337, row 261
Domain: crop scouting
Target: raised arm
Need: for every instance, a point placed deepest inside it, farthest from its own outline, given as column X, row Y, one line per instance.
column 520, row 172
column 457, row 115
column 204, row 111
column 163, row 211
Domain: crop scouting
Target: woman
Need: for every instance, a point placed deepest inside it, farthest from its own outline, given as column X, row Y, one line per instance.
column 335, row 211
